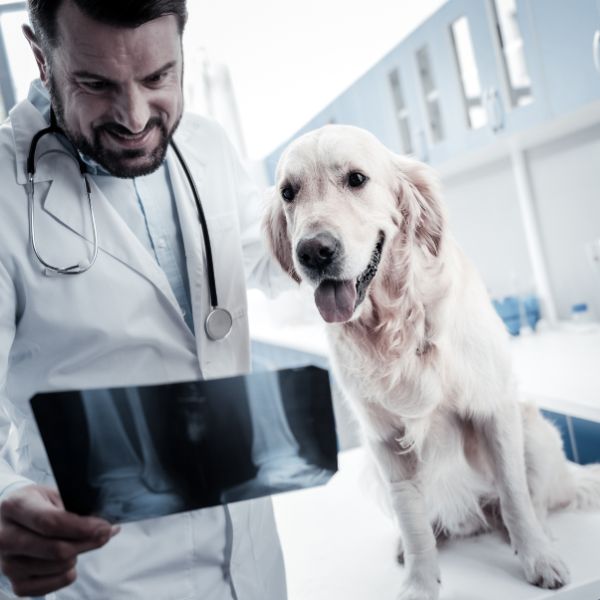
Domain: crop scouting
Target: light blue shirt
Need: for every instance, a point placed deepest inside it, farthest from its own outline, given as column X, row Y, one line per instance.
column 147, row 205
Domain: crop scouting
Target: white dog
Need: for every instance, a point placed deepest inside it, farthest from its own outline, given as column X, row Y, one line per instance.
column 421, row 353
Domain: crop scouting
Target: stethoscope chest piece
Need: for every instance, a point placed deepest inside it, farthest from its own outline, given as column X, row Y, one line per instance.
column 218, row 324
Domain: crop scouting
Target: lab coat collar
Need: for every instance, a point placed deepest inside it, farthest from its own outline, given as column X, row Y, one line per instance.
column 26, row 121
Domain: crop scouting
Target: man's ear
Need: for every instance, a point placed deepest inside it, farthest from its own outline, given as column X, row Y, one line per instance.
column 38, row 53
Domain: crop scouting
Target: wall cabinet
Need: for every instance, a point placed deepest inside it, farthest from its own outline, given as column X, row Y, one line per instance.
column 474, row 74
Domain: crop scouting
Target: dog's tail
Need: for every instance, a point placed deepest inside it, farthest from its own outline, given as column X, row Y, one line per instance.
column 587, row 486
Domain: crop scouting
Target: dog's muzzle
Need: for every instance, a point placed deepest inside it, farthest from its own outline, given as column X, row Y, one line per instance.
column 337, row 299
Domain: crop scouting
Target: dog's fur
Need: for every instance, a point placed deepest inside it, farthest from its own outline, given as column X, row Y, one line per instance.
column 423, row 357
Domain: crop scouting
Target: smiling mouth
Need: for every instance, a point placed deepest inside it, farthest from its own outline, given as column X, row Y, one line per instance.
column 367, row 275
column 130, row 140
column 338, row 299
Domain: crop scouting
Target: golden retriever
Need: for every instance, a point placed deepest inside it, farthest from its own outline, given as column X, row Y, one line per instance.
column 420, row 352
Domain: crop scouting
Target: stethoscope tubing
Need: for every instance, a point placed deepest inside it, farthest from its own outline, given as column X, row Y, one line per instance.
column 212, row 284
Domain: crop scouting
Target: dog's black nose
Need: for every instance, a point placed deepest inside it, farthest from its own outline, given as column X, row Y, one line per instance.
column 317, row 252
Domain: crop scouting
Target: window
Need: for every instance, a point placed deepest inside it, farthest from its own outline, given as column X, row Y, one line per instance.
column 20, row 58
column 430, row 95
column 17, row 66
column 467, row 67
column 401, row 111
column 511, row 44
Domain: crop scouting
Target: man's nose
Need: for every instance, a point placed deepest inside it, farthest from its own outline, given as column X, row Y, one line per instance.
column 132, row 109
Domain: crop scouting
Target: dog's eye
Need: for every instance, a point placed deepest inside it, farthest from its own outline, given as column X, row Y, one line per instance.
column 356, row 179
column 288, row 193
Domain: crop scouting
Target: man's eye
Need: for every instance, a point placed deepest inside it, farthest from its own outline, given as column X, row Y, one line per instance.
column 95, row 86
column 356, row 179
column 154, row 79
column 288, row 193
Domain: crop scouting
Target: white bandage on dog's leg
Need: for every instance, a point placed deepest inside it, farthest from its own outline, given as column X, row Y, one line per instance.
column 420, row 553
column 409, row 507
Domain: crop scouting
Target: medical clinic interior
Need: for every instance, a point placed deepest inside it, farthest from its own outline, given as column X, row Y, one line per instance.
column 501, row 99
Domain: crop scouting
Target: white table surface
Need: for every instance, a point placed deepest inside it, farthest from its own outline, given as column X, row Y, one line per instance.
column 338, row 545
column 559, row 368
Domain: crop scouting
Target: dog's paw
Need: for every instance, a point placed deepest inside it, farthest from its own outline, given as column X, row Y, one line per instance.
column 547, row 570
column 423, row 578
column 417, row 590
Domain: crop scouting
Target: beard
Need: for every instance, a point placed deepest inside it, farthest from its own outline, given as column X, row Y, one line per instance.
column 116, row 162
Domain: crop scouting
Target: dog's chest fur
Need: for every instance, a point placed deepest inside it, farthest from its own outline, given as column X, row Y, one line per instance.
column 393, row 392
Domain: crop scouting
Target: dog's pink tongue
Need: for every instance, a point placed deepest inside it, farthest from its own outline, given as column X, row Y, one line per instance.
column 335, row 300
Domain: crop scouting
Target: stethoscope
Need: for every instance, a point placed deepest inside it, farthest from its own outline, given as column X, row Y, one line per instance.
column 218, row 322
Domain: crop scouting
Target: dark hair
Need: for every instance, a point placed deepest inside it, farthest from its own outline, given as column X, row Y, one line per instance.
column 122, row 13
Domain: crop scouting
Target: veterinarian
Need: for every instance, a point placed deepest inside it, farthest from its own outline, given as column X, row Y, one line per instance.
column 104, row 281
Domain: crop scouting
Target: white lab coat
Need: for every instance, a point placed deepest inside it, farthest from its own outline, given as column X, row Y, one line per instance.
column 120, row 324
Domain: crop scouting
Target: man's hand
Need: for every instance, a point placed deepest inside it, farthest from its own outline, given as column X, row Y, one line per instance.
column 40, row 541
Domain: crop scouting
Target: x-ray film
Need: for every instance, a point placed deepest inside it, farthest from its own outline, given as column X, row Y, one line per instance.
column 134, row 453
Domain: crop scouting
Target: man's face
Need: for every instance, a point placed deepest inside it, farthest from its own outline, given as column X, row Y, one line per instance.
column 116, row 91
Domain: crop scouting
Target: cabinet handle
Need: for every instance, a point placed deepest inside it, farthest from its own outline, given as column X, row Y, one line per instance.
column 596, row 50
column 494, row 109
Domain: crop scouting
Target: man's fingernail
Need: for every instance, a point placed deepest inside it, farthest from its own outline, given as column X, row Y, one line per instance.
column 114, row 530
column 102, row 534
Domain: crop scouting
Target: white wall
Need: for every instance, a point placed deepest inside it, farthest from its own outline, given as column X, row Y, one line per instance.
column 484, row 217
column 565, row 178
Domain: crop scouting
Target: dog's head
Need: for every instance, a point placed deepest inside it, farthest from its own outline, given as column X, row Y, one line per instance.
column 342, row 205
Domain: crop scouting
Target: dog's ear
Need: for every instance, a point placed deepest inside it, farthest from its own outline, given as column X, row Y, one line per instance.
column 275, row 228
column 419, row 202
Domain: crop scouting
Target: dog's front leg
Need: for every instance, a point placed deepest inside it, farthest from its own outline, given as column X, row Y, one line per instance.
column 503, row 434
column 401, row 474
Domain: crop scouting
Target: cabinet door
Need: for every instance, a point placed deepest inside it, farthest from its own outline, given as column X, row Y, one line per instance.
column 394, row 120
column 509, row 64
column 459, row 38
column 565, row 32
column 426, row 94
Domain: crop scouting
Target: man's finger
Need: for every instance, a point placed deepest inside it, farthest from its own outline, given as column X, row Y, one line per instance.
column 25, row 567
column 17, row 541
column 40, row 586
column 36, row 513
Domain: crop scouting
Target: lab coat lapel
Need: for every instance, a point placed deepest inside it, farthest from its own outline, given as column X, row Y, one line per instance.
column 26, row 121
column 67, row 202
column 190, row 227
